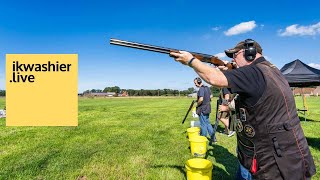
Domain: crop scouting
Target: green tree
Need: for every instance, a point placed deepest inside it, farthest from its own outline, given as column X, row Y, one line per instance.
column 2, row 92
column 190, row 90
column 215, row 91
column 115, row 89
column 176, row 92
column 86, row 91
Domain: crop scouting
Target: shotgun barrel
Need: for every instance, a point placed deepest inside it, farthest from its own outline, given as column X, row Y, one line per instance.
column 202, row 57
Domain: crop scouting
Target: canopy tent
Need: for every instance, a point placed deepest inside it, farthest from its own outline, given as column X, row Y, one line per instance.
column 298, row 74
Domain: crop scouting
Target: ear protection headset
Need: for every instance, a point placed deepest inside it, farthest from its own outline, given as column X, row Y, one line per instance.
column 199, row 81
column 250, row 50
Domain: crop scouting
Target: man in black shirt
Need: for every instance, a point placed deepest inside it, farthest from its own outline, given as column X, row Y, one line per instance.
column 270, row 139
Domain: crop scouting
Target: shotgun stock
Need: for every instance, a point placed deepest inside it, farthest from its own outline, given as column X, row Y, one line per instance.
column 202, row 57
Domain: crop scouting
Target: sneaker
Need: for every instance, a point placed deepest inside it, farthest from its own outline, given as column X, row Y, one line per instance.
column 231, row 133
column 212, row 142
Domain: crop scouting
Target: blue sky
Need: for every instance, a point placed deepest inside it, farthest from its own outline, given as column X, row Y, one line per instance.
column 286, row 30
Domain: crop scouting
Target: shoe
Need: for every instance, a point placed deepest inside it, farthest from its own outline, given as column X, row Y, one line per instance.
column 231, row 133
column 212, row 140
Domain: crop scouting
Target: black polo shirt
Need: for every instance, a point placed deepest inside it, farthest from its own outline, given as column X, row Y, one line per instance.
column 248, row 82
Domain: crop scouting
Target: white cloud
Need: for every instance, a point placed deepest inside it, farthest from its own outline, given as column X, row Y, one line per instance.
column 314, row 65
column 221, row 55
column 241, row 28
column 215, row 28
column 296, row 30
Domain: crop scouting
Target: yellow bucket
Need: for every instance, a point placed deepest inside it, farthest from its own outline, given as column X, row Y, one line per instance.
column 198, row 146
column 193, row 131
column 199, row 169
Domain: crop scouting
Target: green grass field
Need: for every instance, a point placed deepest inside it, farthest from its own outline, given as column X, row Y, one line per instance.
column 123, row 138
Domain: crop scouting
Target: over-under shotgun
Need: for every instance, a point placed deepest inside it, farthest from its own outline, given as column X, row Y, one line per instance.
column 202, row 57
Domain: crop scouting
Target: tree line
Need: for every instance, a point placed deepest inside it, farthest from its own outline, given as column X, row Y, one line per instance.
column 144, row 92
column 151, row 92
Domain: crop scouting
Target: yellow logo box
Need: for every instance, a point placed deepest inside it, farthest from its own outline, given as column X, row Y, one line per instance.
column 42, row 89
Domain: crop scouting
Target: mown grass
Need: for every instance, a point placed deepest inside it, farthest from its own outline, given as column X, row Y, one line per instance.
column 123, row 138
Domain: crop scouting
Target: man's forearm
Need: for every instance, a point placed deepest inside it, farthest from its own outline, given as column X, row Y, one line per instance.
column 199, row 102
column 209, row 74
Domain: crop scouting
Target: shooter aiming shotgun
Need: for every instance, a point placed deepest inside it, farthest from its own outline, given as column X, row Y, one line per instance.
column 202, row 57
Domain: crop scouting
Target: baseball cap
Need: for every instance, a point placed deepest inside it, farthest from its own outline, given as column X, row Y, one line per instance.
column 241, row 45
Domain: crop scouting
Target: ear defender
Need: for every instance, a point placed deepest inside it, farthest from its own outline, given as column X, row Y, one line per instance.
column 250, row 50
column 199, row 81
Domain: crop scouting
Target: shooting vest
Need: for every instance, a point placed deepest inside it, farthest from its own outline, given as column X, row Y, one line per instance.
column 270, row 140
column 232, row 122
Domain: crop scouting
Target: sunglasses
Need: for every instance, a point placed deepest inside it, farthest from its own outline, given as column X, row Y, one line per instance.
column 236, row 54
